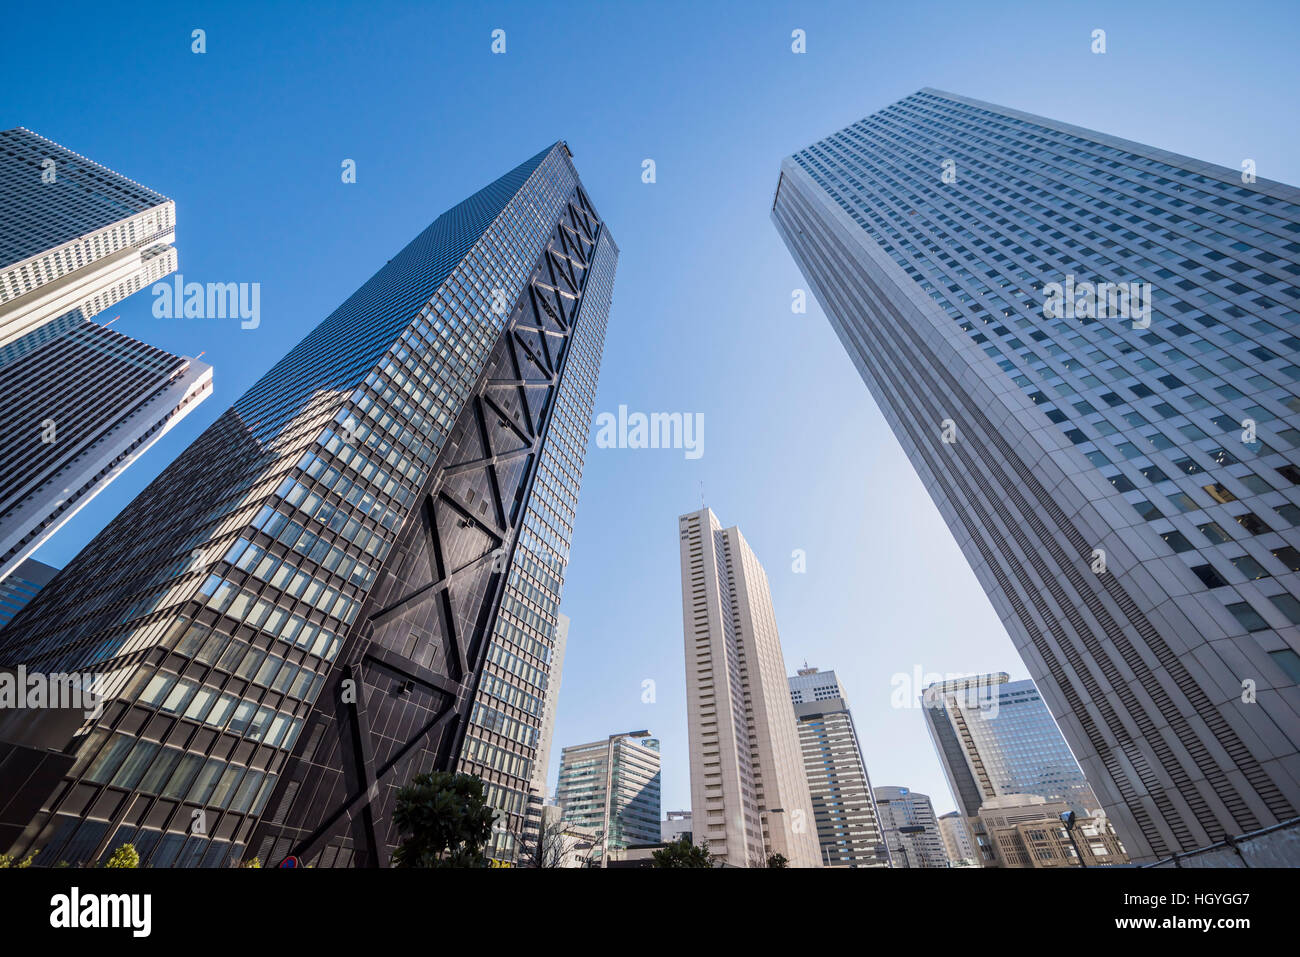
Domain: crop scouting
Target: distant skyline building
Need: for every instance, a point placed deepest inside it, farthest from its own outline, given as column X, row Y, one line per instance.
column 995, row 737
column 749, row 791
column 848, row 827
column 619, row 778
column 957, row 843
column 21, row 587
column 910, row 828
column 78, row 402
column 1087, row 347
column 353, row 575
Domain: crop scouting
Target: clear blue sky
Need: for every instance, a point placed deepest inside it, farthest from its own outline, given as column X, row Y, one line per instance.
column 248, row 139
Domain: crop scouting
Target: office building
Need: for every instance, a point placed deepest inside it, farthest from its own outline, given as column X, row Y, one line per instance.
column 995, row 737
column 1026, row 830
column 676, row 826
column 353, row 576
column 546, row 731
column 79, row 409
column 78, row 402
column 21, row 587
column 558, row 843
column 76, row 237
column 749, row 792
column 612, row 787
column 910, row 829
column 1086, row 346
column 957, row 843
column 848, row 829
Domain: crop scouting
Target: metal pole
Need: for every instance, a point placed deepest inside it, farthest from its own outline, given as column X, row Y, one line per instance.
column 609, row 784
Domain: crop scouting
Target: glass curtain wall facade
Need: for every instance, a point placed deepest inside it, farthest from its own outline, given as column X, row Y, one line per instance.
column 633, row 792
column 301, row 612
column 21, row 587
column 1006, row 744
column 1120, row 467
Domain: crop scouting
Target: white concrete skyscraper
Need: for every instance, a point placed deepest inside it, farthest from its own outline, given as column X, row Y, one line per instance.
column 848, row 827
column 78, row 401
column 1087, row 348
column 749, row 792
column 75, row 238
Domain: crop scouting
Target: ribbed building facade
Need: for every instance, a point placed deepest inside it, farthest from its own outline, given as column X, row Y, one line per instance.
column 353, row 575
column 76, row 236
column 848, row 827
column 1087, row 347
column 79, row 409
column 78, row 402
column 749, row 792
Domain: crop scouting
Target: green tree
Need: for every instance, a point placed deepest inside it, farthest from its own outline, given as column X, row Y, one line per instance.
column 7, row 860
column 778, row 860
column 683, row 854
column 446, row 819
column 251, row 862
column 124, row 856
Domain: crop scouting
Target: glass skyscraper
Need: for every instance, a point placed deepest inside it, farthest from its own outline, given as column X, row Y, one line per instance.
column 628, row 790
column 996, row 738
column 353, row 575
column 1118, row 462
column 21, row 587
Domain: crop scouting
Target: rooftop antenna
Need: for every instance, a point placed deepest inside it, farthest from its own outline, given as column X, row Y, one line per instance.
column 701, row 495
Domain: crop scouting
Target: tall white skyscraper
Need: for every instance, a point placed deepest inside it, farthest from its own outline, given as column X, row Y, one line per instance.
column 749, row 792
column 1122, row 473
column 76, row 237
column 848, row 828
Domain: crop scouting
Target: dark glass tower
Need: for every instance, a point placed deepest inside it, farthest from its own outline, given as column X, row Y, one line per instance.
column 353, row 575
column 1123, row 474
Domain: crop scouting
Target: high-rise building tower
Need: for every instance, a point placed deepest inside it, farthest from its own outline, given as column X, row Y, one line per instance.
column 78, row 402
column 749, row 793
column 1087, row 347
column 907, row 819
column 957, row 842
column 996, row 738
column 353, row 576
column 615, row 782
column 848, row 828
column 74, row 237
column 546, row 730
column 21, row 587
